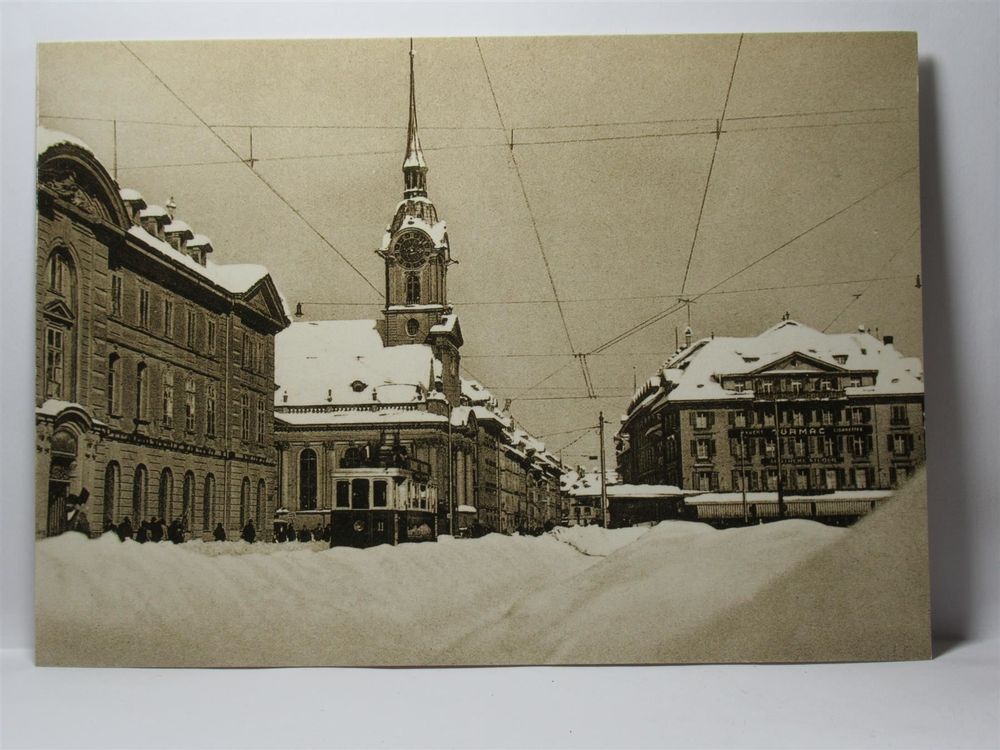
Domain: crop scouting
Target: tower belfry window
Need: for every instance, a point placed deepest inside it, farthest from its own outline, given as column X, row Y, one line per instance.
column 413, row 288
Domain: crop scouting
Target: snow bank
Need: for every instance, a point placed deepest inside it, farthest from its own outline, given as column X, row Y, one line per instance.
column 676, row 592
column 594, row 540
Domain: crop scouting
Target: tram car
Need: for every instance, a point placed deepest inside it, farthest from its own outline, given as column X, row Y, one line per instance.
column 375, row 506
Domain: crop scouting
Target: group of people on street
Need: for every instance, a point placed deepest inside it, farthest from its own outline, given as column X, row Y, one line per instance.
column 152, row 530
column 286, row 532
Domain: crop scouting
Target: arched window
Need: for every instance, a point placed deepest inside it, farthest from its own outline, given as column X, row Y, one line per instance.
column 412, row 288
column 114, row 385
column 208, row 503
column 244, row 501
column 351, row 458
column 307, row 479
column 112, row 477
column 140, row 485
column 141, row 391
column 61, row 275
column 166, row 494
column 261, row 509
column 187, row 501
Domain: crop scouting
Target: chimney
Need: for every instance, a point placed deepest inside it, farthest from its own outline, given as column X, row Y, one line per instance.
column 887, row 340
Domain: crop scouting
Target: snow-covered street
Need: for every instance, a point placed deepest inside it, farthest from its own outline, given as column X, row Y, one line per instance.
column 674, row 592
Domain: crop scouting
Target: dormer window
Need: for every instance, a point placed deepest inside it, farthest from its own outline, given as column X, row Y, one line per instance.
column 358, row 386
column 840, row 359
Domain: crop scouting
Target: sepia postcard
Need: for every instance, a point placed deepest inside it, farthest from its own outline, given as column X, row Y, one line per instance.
column 479, row 351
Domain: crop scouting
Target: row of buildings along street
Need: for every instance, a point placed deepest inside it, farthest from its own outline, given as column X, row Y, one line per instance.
column 173, row 388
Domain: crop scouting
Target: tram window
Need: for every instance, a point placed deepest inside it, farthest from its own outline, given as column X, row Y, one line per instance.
column 359, row 494
column 378, row 501
column 343, row 494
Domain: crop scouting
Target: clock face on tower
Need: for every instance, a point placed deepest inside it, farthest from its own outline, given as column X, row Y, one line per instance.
column 412, row 248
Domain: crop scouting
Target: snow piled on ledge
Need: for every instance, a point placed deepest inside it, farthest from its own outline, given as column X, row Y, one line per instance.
column 676, row 592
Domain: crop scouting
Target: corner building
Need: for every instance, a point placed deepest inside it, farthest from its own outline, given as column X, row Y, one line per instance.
column 848, row 408
column 154, row 365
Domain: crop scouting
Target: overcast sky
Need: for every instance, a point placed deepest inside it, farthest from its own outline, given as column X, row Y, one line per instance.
column 602, row 202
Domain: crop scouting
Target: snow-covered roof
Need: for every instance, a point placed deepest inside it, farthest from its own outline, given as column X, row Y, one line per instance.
column 131, row 194
column 437, row 231
column 694, row 374
column 46, row 139
column 358, row 416
column 236, row 278
column 176, row 225
column 465, row 509
column 152, row 210
column 772, row 497
column 475, row 392
column 199, row 240
column 344, row 362
column 447, row 324
column 631, row 490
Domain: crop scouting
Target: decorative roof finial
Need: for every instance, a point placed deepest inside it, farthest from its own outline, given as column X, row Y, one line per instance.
column 414, row 166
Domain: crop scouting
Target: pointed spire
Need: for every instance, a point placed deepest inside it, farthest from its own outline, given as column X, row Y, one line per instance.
column 414, row 166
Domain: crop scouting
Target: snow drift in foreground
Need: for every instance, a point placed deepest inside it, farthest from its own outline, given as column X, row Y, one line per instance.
column 675, row 592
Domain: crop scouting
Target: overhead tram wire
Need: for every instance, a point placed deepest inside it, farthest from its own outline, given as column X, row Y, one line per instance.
column 254, row 172
column 669, row 311
column 531, row 216
column 711, row 166
column 864, row 291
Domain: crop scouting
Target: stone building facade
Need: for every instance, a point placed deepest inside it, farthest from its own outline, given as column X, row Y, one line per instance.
column 154, row 365
column 848, row 409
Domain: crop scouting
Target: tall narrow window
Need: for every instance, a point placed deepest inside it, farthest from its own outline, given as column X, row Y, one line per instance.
column 54, row 357
column 144, row 308
column 140, row 485
column 245, row 351
column 261, row 510
column 244, row 501
column 168, row 398
column 210, row 336
column 112, row 477
column 114, row 385
column 187, row 506
column 245, row 416
column 168, row 318
column 192, row 329
column 208, row 503
column 210, row 409
column 166, row 494
column 307, row 479
column 189, row 405
column 116, row 294
column 61, row 279
column 261, row 413
column 360, row 492
column 412, row 288
column 141, row 388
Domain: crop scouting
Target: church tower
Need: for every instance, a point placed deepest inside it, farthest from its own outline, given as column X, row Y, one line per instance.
column 417, row 255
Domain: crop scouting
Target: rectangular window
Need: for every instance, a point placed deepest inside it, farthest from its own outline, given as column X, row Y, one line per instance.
column 210, row 335
column 701, row 420
column 192, row 328
column 768, row 419
column 825, row 385
column 245, row 417
column 343, row 494
column 859, row 446
column 168, row 398
column 826, row 417
column 798, row 418
column 116, row 294
column 799, row 447
column 860, row 415
column 766, row 386
column 189, row 406
column 261, row 413
column 831, row 479
column 168, row 319
column 245, row 351
column 359, row 494
column 899, row 415
column 380, row 494
column 900, row 444
column 54, row 341
column 144, row 308
column 769, row 447
column 739, row 419
column 796, row 386
column 771, row 479
column 210, row 410
column 801, row 479
column 861, row 479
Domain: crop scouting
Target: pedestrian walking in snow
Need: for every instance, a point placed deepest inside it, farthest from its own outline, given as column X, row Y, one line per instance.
column 142, row 535
column 174, row 532
column 249, row 532
column 125, row 529
column 155, row 530
column 290, row 533
column 219, row 533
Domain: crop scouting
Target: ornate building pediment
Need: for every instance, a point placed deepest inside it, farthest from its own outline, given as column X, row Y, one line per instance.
column 58, row 310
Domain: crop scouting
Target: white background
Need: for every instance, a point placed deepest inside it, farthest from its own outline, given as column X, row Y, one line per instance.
column 948, row 702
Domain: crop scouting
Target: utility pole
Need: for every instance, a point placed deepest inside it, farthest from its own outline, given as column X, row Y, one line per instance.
column 604, row 477
column 777, row 453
